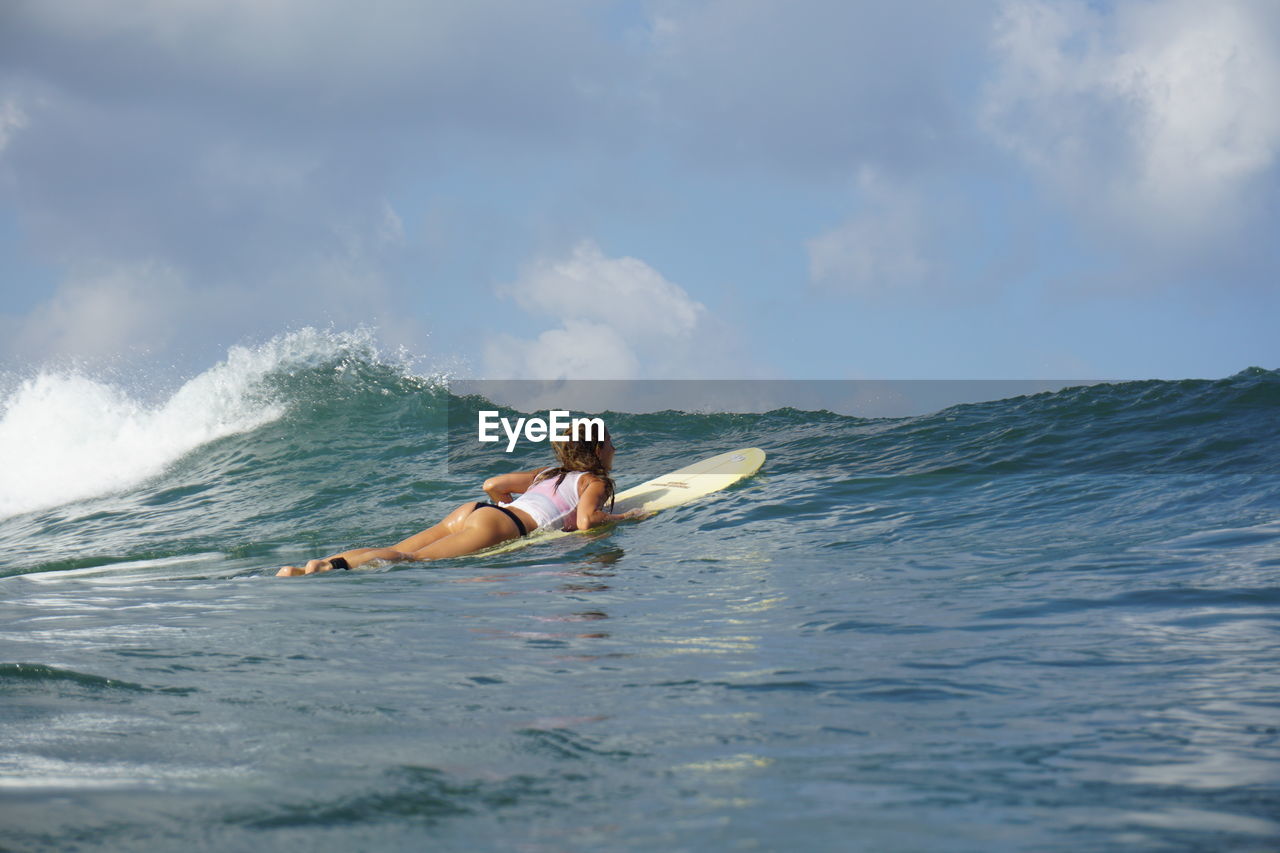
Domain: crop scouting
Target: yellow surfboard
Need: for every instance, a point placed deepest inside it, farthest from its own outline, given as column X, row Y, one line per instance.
column 691, row 482
column 679, row 487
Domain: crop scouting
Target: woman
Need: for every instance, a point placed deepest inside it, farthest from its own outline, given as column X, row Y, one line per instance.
column 570, row 496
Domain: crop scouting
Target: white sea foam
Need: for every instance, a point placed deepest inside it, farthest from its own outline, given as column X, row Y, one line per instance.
column 65, row 436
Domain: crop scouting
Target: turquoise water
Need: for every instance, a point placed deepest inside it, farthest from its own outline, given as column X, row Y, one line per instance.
column 1043, row 623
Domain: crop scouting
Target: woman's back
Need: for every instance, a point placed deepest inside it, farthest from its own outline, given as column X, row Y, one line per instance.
column 552, row 500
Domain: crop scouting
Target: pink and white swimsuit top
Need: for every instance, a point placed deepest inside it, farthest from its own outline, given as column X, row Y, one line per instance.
column 549, row 504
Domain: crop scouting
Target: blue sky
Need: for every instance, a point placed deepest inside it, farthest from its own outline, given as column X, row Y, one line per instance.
column 724, row 189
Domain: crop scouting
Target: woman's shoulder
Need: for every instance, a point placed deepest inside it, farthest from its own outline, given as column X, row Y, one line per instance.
column 586, row 480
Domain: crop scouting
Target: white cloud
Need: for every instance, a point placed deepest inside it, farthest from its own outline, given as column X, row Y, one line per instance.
column 104, row 313
column 1158, row 116
column 880, row 249
column 579, row 349
column 619, row 319
column 12, row 120
column 625, row 292
column 121, row 311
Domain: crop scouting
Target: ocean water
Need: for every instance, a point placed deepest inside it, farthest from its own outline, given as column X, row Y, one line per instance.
column 1041, row 623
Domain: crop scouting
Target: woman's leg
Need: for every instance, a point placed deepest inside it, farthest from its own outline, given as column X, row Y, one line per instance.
column 355, row 558
column 462, row 531
column 451, row 523
column 405, row 549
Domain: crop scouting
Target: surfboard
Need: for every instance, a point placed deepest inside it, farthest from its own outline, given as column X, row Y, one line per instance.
column 678, row 487
column 691, row 482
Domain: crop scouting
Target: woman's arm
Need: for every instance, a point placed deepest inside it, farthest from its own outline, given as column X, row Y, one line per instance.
column 501, row 488
column 590, row 509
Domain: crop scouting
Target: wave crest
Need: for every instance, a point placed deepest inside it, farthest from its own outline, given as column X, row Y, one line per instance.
column 66, row 436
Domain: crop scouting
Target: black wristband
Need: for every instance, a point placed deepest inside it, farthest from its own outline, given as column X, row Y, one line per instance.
column 339, row 563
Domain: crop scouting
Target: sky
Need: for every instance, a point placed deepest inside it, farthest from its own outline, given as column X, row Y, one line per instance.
column 809, row 189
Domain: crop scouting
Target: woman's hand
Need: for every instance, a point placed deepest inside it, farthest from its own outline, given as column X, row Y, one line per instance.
column 602, row 517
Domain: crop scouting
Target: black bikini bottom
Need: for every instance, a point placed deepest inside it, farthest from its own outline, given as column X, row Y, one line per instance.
column 511, row 515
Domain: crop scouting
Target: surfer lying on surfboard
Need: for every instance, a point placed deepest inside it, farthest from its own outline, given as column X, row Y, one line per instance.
column 569, row 496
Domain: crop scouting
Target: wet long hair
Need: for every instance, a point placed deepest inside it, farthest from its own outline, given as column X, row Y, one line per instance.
column 581, row 455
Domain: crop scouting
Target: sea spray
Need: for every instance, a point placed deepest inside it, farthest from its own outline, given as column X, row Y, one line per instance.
column 66, row 436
